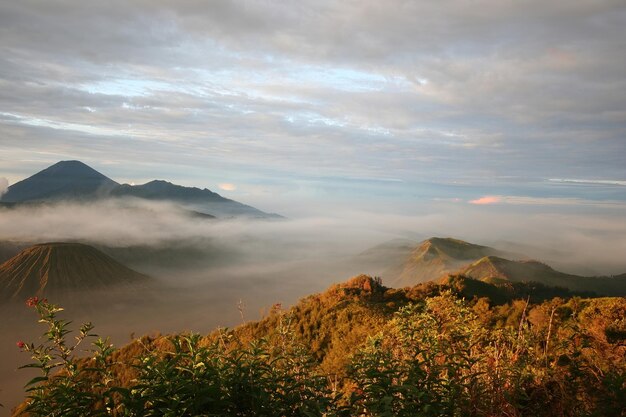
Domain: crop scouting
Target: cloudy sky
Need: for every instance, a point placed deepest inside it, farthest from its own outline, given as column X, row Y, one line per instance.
column 485, row 102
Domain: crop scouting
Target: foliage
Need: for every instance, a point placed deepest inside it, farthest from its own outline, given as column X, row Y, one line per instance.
column 359, row 349
column 66, row 386
column 184, row 377
column 423, row 363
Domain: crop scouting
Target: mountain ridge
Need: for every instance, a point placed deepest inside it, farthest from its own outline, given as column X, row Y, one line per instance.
column 155, row 188
column 437, row 256
column 74, row 180
column 496, row 269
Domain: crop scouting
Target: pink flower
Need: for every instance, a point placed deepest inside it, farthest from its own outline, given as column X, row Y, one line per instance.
column 21, row 344
column 32, row 302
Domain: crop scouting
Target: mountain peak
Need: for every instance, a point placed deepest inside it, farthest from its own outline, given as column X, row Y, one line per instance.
column 70, row 163
column 450, row 244
column 160, row 182
column 74, row 180
column 65, row 179
column 59, row 266
column 491, row 267
column 446, row 240
column 436, row 256
column 73, row 168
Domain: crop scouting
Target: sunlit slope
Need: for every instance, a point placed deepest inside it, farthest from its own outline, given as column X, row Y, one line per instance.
column 437, row 256
column 335, row 323
column 494, row 269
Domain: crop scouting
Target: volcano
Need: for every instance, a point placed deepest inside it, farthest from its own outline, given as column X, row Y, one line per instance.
column 56, row 267
column 76, row 181
column 63, row 180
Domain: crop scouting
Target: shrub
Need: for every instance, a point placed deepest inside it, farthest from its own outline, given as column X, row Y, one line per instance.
column 441, row 356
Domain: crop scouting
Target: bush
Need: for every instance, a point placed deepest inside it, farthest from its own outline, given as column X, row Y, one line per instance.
column 431, row 358
column 183, row 378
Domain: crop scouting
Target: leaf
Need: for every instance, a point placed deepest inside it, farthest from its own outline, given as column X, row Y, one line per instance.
column 35, row 380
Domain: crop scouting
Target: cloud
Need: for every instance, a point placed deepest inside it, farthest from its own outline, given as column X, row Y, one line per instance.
column 548, row 201
column 227, row 186
column 486, row 200
column 4, row 185
column 556, row 201
column 587, row 181
column 298, row 98
column 318, row 89
column 595, row 242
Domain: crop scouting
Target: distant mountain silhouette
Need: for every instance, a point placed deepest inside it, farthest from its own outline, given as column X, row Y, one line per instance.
column 438, row 256
column 73, row 180
column 55, row 267
column 496, row 270
column 192, row 197
column 160, row 189
column 63, row 180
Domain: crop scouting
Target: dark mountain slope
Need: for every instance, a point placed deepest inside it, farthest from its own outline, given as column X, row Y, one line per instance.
column 63, row 180
column 164, row 190
column 73, row 180
column 203, row 200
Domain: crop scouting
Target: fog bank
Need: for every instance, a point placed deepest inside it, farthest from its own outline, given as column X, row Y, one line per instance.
column 590, row 243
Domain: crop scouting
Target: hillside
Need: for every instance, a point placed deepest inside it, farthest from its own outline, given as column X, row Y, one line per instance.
column 63, row 180
column 493, row 268
column 49, row 268
column 335, row 323
column 361, row 349
column 436, row 257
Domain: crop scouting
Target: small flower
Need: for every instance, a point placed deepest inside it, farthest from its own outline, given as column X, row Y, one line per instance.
column 21, row 344
column 32, row 302
column 35, row 301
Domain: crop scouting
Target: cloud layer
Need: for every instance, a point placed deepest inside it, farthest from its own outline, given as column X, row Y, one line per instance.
column 572, row 239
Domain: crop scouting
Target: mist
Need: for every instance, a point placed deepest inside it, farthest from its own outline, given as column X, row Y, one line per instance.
column 574, row 240
column 4, row 186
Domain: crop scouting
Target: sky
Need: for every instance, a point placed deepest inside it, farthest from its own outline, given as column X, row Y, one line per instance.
column 296, row 105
